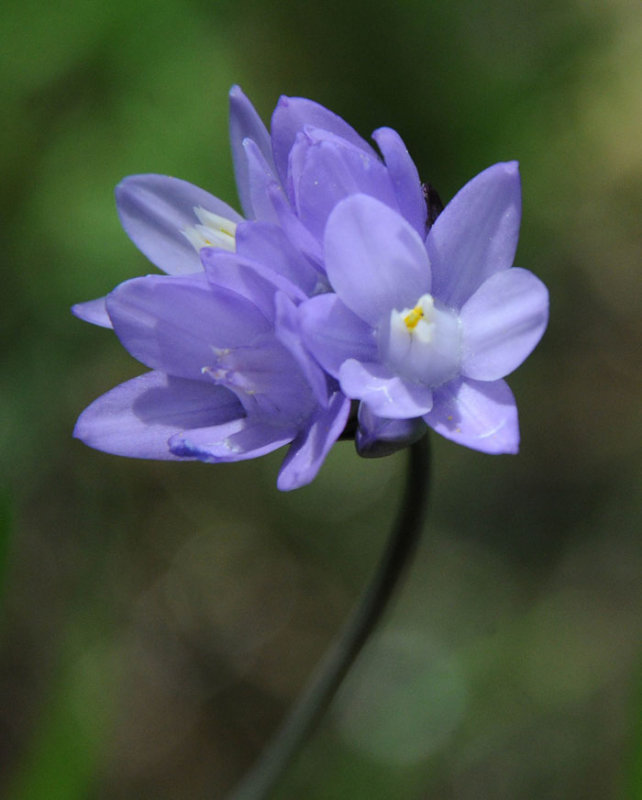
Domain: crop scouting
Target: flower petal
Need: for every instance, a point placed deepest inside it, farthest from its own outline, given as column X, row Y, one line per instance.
column 245, row 123
column 332, row 170
column 238, row 440
column 479, row 415
column 260, row 182
column 292, row 114
column 252, row 280
column 177, row 324
column 155, row 209
column 502, row 322
column 296, row 232
column 385, row 393
column 405, row 178
column 333, row 334
column 266, row 378
column 375, row 260
column 138, row 417
column 309, row 449
column 93, row 311
column 381, row 436
column 288, row 332
column 268, row 243
column 476, row 234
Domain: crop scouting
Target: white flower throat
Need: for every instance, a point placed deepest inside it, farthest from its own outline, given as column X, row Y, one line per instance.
column 213, row 231
column 423, row 343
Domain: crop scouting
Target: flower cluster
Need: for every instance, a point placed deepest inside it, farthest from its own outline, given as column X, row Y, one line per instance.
column 338, row 289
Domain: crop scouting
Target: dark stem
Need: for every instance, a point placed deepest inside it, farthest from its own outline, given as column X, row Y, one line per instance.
column 327, row 678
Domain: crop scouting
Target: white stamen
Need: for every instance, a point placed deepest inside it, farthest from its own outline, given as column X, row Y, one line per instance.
column 423, row 343
column 214, row 231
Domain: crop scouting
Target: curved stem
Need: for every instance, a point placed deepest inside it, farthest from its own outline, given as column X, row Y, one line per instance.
column 328, row 676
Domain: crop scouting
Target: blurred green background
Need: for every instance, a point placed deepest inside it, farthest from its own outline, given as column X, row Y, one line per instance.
column 158, row 619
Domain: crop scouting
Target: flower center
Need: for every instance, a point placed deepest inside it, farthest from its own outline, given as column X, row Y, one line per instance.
column 213, row 231
column 265, row 378
column 422, row 343
column 413, row 317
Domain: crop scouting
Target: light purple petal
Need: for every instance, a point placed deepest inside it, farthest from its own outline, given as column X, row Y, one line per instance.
column 296, row 232
column 477, row 414
column 292, row 114
column 288, row 332
column 138, row 417
column 266, row 378
column 93, row 311
column 177, row 324
column 309, row 449
column 235, row 441
column 375, row 260
column 261, row 182
column 245, row 123
column 379, row 436
column 502, row 322
column 155, row 209
column 253, row 280
column 296, row 162
column 332, row 171
column 405, row 178
column 263, row 242
column 333, row 334
column 476, row 234
column 386, row 394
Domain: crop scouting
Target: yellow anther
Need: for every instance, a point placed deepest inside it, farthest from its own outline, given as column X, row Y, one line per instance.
column 413, row 317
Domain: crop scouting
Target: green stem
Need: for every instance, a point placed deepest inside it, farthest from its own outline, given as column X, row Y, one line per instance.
column 318, row 695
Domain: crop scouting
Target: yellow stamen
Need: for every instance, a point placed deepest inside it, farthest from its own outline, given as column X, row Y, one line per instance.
column 413, row 317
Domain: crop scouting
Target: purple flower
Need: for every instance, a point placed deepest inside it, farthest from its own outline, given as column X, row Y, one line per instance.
column 294, row 176
column 231, row 378
column 288, row 183
column 334, row 286
column 223, row 387
column 427, row 330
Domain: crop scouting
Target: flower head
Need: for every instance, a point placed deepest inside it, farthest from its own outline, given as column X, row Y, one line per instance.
column 341, row 283
column 288, row 181
column 231, row 378
column 427, row 330
column 223, row 387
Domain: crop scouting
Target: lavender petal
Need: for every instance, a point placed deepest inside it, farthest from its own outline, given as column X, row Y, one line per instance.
column 138, row 417
column 155, row 209
column 309, row 449
column 238, row 440
column 476, row 234
column 331, row 170
column 292, row 114
column 502, row 322
column 261, row 241
column 333, row 333
column 375, row 260
column 177, row 324
column 252, row 280
column 245, row 123
column 479, row 415
column 405, row 178
column 386, row 394
column 93, row 311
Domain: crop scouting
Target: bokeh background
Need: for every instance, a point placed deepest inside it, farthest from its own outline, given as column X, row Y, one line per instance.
column 159, row 619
